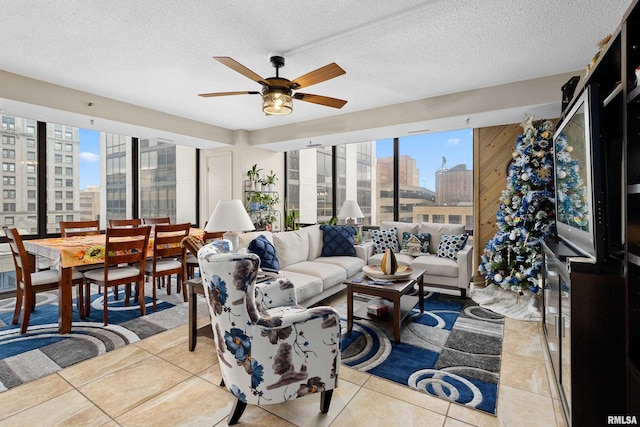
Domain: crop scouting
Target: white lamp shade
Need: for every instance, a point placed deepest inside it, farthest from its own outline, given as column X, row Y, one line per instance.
column 350, row 209
column 229, row 215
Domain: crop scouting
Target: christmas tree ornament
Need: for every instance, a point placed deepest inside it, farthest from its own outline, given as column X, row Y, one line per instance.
column 525, row 176
column 562, row 174
column 515, row 154
column 540, row 154
column 512, row 235
column 568, row 149
column 497, row 278
column 519, row 276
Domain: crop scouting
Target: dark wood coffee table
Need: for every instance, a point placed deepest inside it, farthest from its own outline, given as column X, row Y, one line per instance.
column 393, row 295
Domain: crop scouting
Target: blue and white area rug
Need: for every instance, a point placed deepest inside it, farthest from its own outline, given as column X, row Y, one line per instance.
column 42, row 350
column 452, row 350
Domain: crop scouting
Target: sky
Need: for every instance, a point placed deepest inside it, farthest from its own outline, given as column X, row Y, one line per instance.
column 89, row 158
column 428, row 149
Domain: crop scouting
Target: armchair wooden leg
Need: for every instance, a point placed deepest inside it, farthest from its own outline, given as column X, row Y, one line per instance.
column 325, row 400
column 236, row 413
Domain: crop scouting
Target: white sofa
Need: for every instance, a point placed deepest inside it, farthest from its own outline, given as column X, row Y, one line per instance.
column 299, row 253
column 439, row 271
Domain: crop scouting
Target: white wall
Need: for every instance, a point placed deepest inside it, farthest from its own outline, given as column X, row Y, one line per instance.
column 243, row 157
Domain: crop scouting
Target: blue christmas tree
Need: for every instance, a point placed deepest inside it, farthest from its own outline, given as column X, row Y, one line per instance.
column 511, row 258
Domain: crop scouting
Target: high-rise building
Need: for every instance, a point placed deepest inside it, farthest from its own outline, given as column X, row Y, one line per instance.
column 20, row 174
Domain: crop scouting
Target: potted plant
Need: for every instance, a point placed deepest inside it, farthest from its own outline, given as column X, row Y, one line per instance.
column 253, row 175
column 255, row 200
column 270, row 180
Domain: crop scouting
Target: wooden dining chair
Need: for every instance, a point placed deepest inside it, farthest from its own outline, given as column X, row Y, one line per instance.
column 154, row 221
column 79, row 228
column 192, row 258
column 135, row 222
column 124, row 263
column 29, row 282
column 169, row 257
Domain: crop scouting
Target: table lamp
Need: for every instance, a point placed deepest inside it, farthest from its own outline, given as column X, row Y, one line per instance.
column 231, row 217
column 350, row 211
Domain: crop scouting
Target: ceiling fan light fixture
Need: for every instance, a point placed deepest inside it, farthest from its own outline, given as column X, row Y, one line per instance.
column 277, row 103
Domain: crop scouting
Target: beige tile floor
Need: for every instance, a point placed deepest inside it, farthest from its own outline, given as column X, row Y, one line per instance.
column 158, row 382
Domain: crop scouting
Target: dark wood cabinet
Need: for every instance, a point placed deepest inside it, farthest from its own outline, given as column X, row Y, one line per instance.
column 592, row 310
column 583, row 318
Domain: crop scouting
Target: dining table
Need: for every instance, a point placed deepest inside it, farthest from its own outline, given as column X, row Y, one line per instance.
column 69, row 252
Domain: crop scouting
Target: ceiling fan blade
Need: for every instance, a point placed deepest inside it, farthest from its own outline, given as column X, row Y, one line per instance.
column 319, row 99
column 317, row 76
column 238, row 67
column 208, row 95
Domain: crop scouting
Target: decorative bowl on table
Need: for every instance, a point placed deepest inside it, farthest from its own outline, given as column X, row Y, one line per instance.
column 375, row 272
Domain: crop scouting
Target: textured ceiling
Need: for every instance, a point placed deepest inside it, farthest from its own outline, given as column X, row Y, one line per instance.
column 158, row 54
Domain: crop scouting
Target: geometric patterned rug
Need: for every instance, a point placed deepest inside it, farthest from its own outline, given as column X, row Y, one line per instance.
column 451, row 351
column 42, row 350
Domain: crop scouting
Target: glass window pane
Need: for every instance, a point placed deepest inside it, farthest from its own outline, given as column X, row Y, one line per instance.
column 355, row 180
column 158, row 179
column 436, row 177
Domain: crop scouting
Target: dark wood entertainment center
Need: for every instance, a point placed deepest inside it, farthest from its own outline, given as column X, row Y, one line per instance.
column 591, row 309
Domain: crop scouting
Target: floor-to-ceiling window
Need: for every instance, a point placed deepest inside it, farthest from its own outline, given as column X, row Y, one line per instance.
column 426, row 177
column 436, row 178
column 55, row 172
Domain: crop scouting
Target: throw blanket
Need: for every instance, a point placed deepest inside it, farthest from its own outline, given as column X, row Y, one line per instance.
column 509, row 303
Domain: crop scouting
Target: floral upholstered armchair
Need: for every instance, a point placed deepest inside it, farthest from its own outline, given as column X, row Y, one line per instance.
column 270, row 349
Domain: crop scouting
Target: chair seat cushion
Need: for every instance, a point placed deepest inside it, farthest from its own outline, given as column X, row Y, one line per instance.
column 163, row 265
column 330, row 275
column 305, row 286
column 115, row 273
column 349, row 263
column 47, row 277
column 436, row 266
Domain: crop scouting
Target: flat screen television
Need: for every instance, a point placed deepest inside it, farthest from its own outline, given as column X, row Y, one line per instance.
column 579, row 178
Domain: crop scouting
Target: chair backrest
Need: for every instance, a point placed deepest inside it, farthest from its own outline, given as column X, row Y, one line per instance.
column 23, row 262
column 229, row 279
column 79, row 228
column 153, row 221
column 126, row 245
column 125, row 222
column 167, row 239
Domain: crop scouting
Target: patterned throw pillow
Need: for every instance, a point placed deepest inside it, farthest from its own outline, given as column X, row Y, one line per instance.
column 338, row 240
column 262, row 247
column 383, row 239
column 422, row 239
column 450, row 244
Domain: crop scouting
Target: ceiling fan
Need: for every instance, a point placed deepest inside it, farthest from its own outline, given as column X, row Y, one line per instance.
column 277, row 92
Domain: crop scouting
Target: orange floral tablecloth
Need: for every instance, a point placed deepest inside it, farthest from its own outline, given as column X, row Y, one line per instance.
column 78, row 250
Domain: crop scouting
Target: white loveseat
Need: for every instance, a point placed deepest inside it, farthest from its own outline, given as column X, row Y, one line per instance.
column 299, row 253
column 439, row 271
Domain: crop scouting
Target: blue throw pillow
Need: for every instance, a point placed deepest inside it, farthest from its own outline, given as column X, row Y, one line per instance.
column 338, row 240
column 450, row 244
column 262, row 247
